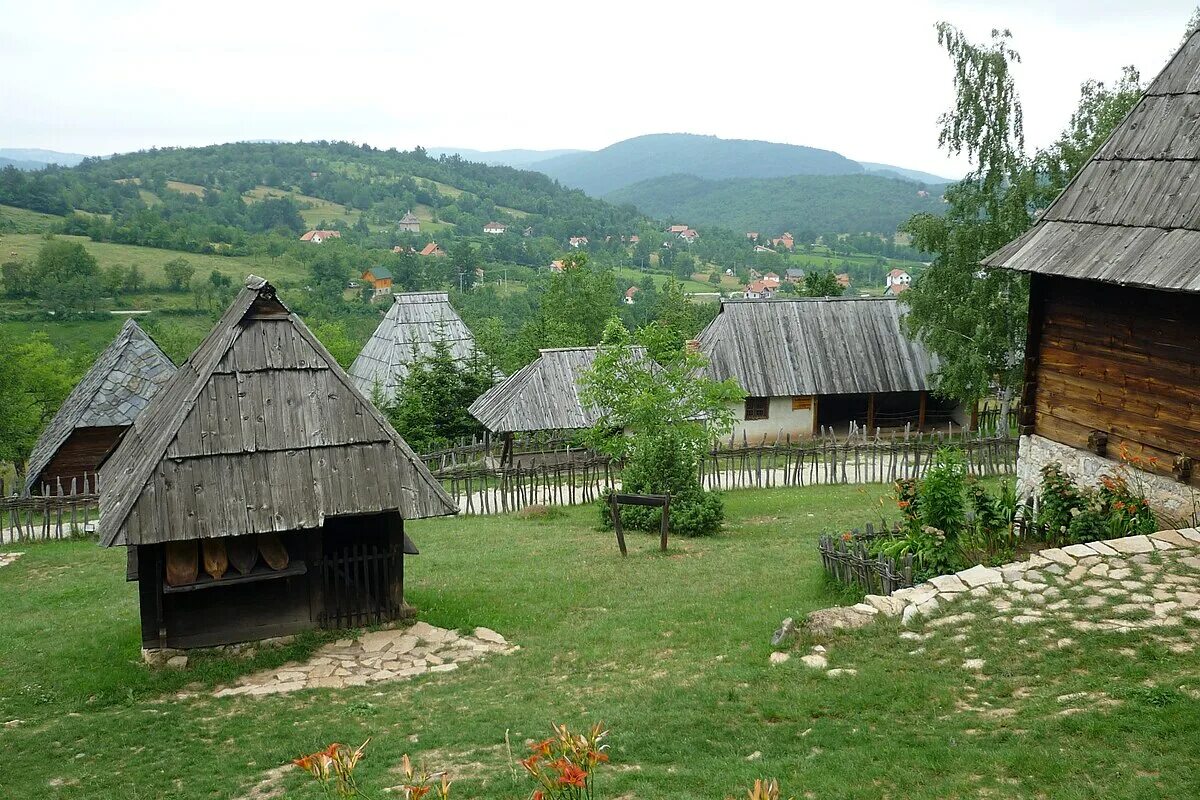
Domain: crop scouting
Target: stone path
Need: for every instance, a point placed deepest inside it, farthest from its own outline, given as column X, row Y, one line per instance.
column 8, row 558
column 387, row 655
column 1132, row 584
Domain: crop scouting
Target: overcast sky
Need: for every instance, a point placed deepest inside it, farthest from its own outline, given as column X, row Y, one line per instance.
column 864, row 78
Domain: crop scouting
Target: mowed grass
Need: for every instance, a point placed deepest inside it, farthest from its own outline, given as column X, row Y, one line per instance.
column 670, row 651
column 22, row 220
column 632, row 276
column 150, row 260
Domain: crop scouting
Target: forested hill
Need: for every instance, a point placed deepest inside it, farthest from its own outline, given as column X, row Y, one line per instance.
column 627, row 162
column 205, row 197
column 843, row 203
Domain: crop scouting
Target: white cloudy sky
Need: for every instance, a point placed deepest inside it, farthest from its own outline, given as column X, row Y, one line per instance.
column 863, row 78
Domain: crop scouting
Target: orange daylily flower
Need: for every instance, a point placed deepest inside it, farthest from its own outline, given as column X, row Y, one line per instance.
column 573, row 775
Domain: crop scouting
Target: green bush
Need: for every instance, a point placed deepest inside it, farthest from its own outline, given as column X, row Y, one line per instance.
column 1070, row 514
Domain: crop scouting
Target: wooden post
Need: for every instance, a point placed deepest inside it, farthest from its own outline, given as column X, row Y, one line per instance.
column 1027, row 411
column 616, row 515
column 816, row 400
column 506, row 454
column 871, row 411
column 921, row 411
column 666, row 521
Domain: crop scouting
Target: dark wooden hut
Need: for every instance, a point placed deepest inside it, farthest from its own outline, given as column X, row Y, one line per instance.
column 815, row 362
column 260, row 492
column 1113, row 355
column 97, row 412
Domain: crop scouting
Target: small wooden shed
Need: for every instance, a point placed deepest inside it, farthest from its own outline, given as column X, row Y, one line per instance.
column 1113, row 353
column 261, row 493
column 829, row 362
column 415, row 321
column 97, row 412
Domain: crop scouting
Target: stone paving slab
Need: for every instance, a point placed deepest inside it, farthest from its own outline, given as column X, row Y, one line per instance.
column 377, row 656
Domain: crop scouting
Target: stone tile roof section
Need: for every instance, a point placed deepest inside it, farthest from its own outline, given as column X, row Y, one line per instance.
column 407, row 332
column 260, row 430
column 120, row 384
column 1132, row 214
column 815, row 346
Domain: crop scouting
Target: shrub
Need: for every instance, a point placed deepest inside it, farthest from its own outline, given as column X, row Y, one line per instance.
column 1058, row 502
column 1068, row 513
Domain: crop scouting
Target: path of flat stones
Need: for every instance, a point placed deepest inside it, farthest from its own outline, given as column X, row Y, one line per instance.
column 8, row 558
column 387, row 655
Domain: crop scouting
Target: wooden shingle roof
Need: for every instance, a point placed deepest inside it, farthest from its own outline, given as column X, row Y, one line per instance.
column 407, row 332
column 1132, row 214
column 815, row 346
column 259, row 430
column 544, row 395
column 114, row 391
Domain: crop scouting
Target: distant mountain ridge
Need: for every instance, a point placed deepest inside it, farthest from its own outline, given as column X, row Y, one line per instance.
column 518, row 158
column 821, row 203
column 36, row 158
column 643, row 157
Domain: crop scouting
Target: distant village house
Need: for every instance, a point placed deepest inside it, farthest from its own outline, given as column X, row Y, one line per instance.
column 897, row 281
column 495, row 228
column 786, row 242
column 577, row 241
column 409, row 223
column 380, row 279
column 316, row 237
column 630, row 295
column 432, row 249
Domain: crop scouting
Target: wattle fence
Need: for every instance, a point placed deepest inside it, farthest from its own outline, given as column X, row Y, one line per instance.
column 475, row 479
column 60, row 512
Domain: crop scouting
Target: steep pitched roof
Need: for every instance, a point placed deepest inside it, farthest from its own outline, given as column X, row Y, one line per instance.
column 1132, row 214
column 542, row 395
column 114, row 391
column 810, row 346
column 378, row 273
column 259, row 430
column 409, row 218
column 407, row 332
column 431, row 249
column 310, row 235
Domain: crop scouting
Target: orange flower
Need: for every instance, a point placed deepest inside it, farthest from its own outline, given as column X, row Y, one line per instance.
column 530, row 764
column 597, row 756
column 573, row 775
column 904, row 504
column 537, row 795
column 543, row 747
column 415, row 792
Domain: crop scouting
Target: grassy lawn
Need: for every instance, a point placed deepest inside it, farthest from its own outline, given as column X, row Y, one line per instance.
column 670, row 651
column 22, row 220
column 632, row 276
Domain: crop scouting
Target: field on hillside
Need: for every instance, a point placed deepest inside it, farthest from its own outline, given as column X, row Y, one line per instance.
column 632, row 276
column 671, row 652
column 21, row 220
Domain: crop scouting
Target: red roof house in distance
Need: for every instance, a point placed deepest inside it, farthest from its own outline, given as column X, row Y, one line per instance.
column 785, row 241
column 689, row 235
column 634, row 238
column 316, row 237
column 760, row 290
column 556, row 266
column 577, row 241
column 677, row 229
column 897, row 281
column 630, row 294
column 752, row 235
column 495, row 228
column 771, row 279
column 432, row 249
column 843, row 279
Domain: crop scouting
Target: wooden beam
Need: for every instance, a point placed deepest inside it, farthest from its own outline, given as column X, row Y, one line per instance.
column 616, row 518
column 816, row 407
column 1027, row 411
column 870, row 412
column 921, row 411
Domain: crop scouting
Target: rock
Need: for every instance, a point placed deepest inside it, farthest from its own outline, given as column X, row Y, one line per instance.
column 177, row 662
column 865, row 608
column 1162, row 544
column 1191, row 534
column 916, row 594
column 838, row 618
column 1078, row 550
column 819, row 648
column 1188, row 599
column 1058, row 556
column 12, row 723
column 450, row 667
column 488, row 635
column 1131, row 544
column 974, row 664
column 910, row 615
column 888, row 606
column 1025, row 619
column 814, row 661
column 1102, row 548
column 840, row 671
column 755, row 756
column 951, row 619
column 1055, row 569
column 1172, row 537
column 1011, row 574
column 785, row 631
column 948, row 583
column 1026, row 586
column 779, row 657
column 1077, row 573
column 980, row 575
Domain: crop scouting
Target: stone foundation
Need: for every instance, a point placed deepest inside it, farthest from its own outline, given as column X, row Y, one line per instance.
column 1166, row 496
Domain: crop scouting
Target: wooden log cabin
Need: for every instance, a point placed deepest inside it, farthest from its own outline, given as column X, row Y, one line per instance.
column 814, row 363
column 260, row 493
column 90, row 422
column 1113, row 354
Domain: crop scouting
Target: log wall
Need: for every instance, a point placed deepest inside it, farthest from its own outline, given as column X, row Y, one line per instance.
column 1119, row 360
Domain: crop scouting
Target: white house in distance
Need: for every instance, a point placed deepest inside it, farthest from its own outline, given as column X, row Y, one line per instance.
column 689, row 235
column 631, row 295
column 495, row 228
column 316, row 237
column 897, row 281
column 578, row 241
column 830, row 361
column 409, row 223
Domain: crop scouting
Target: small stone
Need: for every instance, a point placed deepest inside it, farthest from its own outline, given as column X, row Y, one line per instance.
column 1102, row 548
column 819, row 648
column 1172, row 537
column 815, row 661
column 1092, row 601
column 1058, row 556
column 1131, row 544
column 1078, row 550
column 779, row 657
column 177, row 662
column 783, row 633
column 489, row 635
column 910, row 614
column 1076, row 573
column 827, row 620
column 1120, row 574
column 974, row 664
column 12, row 723
column 948, row 583
column 444, row 667
column 980, row 575
column 1025, row 619
column 1188, row 599
column 888, row 606
column 838, row 672
column 865, row 608
column 755, row 756
column 1055, row 569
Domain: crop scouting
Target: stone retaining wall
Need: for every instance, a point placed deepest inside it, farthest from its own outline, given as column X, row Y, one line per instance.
column 1035, row 452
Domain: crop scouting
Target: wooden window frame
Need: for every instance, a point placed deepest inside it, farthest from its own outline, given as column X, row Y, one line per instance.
column 761, row 409
column 802, row 402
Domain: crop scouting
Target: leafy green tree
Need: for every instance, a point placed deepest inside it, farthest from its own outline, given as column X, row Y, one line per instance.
column 821, row 284
column 975, row 321
column 65, row 274
column 179, row 273
column 134, row 280
column 18, row 278
column 430, row 407
column 332, row 334
column 34, row 380
column 657, row 416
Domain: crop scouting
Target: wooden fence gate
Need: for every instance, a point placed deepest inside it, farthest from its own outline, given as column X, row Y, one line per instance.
column 360, row 583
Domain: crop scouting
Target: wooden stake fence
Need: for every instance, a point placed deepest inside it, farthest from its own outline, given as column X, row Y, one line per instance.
column 60, row 512
column 846, row 558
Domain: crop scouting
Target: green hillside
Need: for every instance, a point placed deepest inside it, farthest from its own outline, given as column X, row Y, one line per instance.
column 625, row 163
column 841, row 203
